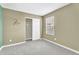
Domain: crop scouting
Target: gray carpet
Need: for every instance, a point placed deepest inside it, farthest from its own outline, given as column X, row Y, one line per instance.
column 38, row 47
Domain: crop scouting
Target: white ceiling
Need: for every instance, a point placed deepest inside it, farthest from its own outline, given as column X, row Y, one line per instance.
column 34, row 8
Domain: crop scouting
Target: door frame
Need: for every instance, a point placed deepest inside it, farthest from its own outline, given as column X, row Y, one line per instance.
column 32, row 26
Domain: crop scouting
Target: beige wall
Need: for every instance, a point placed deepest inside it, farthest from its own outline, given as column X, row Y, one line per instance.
column 15, row 32
column 67, row 26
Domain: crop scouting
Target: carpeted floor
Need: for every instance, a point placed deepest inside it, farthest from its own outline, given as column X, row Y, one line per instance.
column 38, row 47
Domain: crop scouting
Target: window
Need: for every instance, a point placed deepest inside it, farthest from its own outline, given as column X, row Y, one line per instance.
column 50, row 25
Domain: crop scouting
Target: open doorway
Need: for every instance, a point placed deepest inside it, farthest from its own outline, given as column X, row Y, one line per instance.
column 28, row 29
column 32, row 29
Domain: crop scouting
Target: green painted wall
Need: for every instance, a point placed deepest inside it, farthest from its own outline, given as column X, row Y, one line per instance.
column 67, row 26
column 1, row 26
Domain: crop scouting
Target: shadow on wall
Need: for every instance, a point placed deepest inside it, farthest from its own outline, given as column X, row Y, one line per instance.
column 1, row 26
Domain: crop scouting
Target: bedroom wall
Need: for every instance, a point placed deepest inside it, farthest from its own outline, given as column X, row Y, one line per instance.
column 66, row 27
column 14, row 33
column 1, row 26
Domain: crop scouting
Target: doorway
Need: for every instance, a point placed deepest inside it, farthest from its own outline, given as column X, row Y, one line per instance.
column 32, row 29
column 28, row 29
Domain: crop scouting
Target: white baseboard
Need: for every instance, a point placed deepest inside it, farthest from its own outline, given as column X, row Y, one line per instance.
column 11, row 45
column 61, row 46
column 1, row 48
